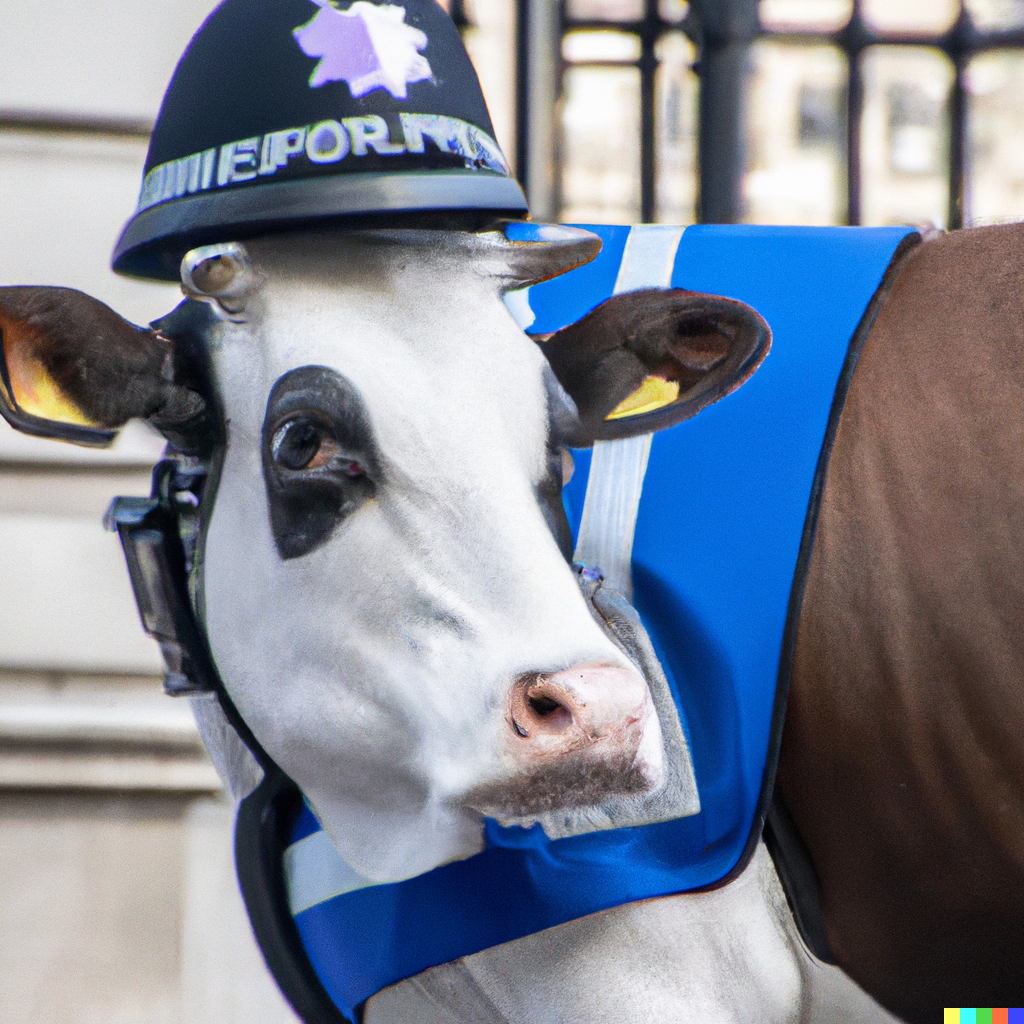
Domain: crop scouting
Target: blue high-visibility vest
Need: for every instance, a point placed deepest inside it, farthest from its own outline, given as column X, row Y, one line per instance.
column 720, row 526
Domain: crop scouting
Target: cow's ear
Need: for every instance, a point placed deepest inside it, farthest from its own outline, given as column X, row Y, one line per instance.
column 71, row 368
column 646, row 360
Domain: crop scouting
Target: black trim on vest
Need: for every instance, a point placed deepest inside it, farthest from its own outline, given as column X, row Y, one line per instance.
column 799, row 880
column 263, row 830
column 792, row 859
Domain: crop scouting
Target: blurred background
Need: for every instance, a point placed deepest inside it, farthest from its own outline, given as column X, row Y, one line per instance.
column 117, row 894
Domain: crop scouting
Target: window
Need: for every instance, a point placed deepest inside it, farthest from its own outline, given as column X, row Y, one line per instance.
column 627, row 120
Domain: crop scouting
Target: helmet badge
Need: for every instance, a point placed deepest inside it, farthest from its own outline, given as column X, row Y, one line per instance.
column 368, row 45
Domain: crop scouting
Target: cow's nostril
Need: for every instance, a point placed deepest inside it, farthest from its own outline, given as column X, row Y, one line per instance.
column 539, row 707
column 546, row 708
column 544, row 705
column 589, row 727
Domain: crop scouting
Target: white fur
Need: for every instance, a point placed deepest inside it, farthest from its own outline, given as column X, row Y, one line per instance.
column 731, row 956
column 375, row 670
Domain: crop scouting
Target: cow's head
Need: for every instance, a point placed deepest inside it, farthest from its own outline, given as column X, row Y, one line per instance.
column 384, row 572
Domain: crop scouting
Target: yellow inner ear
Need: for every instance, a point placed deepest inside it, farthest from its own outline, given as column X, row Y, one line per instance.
column 654, row 393
column 35, row 391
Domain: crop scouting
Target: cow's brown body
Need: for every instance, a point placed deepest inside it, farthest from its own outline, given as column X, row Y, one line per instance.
column 903, row 754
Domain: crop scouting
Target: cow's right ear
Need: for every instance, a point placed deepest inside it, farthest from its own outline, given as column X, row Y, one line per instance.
column 646, row 360
column 73, row 369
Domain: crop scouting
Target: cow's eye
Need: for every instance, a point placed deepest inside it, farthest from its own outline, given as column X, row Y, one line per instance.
column 319, row 460
column 303, row 443
column 306, row 443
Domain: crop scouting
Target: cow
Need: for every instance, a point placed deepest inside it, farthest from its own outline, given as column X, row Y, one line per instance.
column 384, row 577
column 385, row 582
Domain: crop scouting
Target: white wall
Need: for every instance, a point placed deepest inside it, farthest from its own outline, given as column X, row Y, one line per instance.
column 118, row 901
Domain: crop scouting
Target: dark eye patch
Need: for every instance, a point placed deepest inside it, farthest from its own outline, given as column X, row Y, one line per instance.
column 319, row 460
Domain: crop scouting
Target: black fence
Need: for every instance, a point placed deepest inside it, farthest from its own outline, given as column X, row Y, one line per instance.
column 723, row 32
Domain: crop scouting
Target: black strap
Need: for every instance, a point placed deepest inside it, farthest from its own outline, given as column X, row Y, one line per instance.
column 263, row 832
column 798, row 877
column 790, row 854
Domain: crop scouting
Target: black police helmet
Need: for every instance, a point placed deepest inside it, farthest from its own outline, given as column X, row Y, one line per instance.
column 282, row 112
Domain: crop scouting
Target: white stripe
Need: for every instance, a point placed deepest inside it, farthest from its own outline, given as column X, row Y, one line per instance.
column 314, row 872
column 518, row 303
column 617, row 468
column 609, row 512
column 649, row 258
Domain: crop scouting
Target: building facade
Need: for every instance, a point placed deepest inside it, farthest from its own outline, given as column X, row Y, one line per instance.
column 118, row 901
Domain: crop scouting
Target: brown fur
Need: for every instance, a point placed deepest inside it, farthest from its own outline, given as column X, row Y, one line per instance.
column 903, row 753
column 109, row 368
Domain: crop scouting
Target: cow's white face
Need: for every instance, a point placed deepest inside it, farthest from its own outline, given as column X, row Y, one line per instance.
column 386, row 652
column 384, row 574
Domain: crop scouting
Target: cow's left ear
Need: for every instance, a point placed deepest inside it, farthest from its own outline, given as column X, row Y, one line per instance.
column 649, row 359
column 73, row 369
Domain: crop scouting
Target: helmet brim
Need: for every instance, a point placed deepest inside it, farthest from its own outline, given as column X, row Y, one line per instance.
column 155, row 240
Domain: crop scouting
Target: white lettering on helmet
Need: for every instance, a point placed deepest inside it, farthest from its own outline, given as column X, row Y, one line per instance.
column 279, row 147
column 371, row 131
column 238, row 161
column 327, row 142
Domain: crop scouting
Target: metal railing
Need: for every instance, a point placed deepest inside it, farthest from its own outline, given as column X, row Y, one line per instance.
column 724, row 32
column 962, row 41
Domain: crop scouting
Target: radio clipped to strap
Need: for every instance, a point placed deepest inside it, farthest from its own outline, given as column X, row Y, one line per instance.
column 150, row 537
